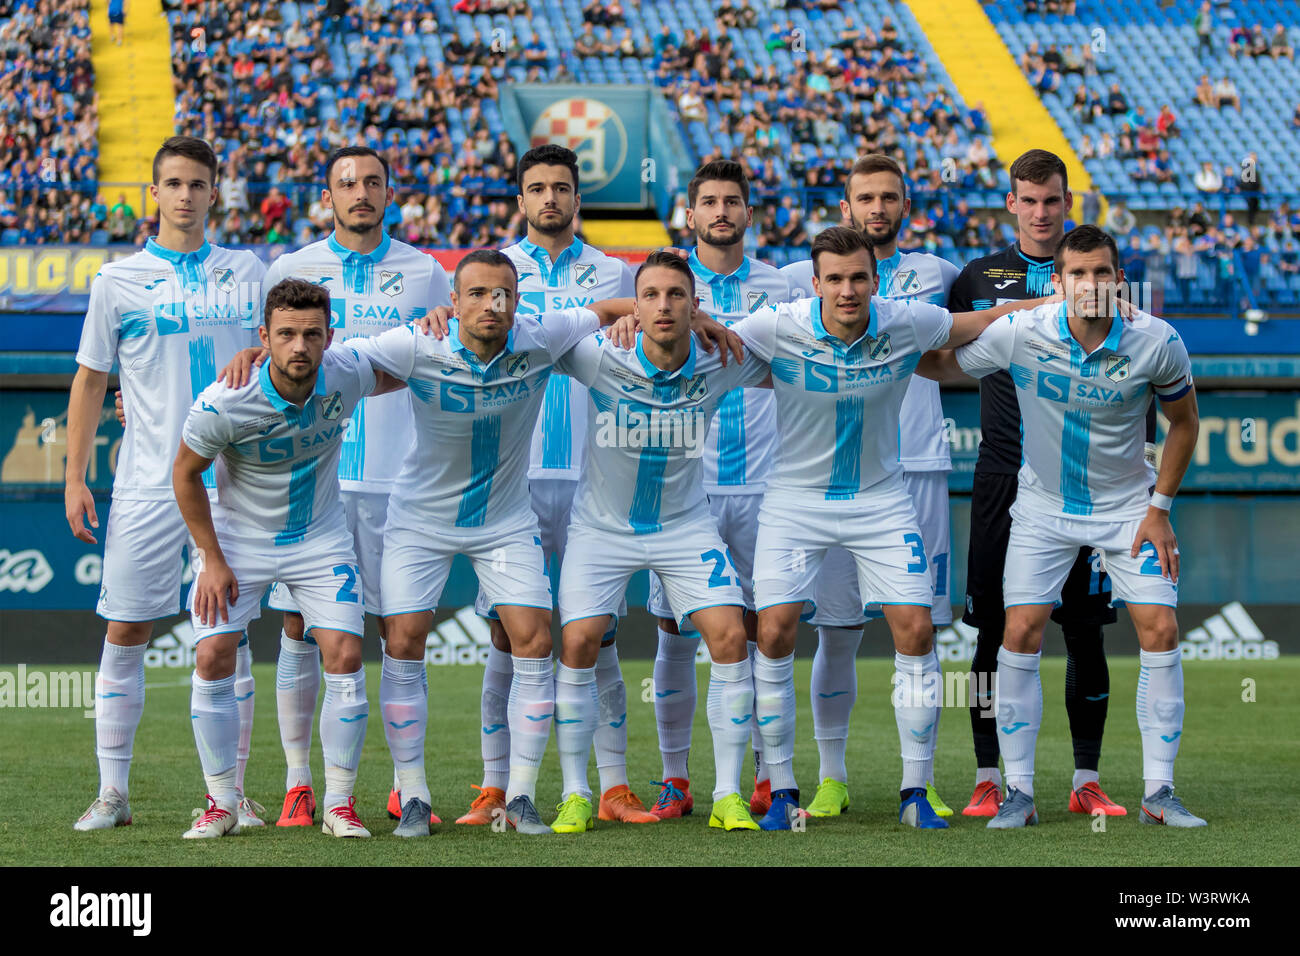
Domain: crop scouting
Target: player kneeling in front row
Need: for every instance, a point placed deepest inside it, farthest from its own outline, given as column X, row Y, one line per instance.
column 641, row 504
column 1085, row 369
column 277, row 517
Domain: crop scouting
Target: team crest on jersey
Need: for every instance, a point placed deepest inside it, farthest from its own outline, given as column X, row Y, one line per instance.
column 757, row 300
column 518, row 365
column 587, row 277
column 225, row 279
column 697, row 387
column 880, row 348
column 906, row 283
column 332, row 407
column 1117, row 367
column 390, row 283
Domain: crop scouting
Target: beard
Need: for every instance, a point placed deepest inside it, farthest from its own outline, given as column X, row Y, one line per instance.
column 551, row 229
column 297, row 377
column 880, row 240
column 707, row 237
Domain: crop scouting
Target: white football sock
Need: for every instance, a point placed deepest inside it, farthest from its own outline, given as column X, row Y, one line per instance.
column 245, row 687
column 576, row 709
column 755, row 735
column 297, row 684
column 532, row 704
column 343, row 719
column 675, row 693
column 404, row 706
column 730, row 706
column 928, row 770
column 774, row 709
column 1019, row 699
column 215, row 718
column 916, row 713
column 610, row 742
column 494, row 732
column 834, row 689
column 119, row 702
column 1160, row 715
column 1084, row 777
column 990, row 774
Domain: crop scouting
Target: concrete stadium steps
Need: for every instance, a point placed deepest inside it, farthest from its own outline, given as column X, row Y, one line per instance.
column 136, row 102
column 625, row 233
column 984, row 71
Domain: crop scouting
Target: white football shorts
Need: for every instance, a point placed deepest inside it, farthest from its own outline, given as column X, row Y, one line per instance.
column 1043, row 547
column 737, row 520
column 689, row 557
column 366, row 511
column 320, row 573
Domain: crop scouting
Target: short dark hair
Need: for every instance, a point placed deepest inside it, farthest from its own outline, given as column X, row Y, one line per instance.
column 719, row 170
column 488, row 257
column 548, row 154
column 1038, row 166
column 840, row 241
column 665, row 260
column 1085, row 239
column 190, row 147
column 295, row 294
column 343, row 152
column 874, row 163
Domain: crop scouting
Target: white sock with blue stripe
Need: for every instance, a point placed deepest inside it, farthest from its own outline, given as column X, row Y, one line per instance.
column 1160, row 715
column 1019, row 700
column 730, row 706
column 343, row 719
column 529, row 713
column 774, row 710
column 755, row 736
column 834, row 690
column 297, row 685
column 675, row 694
column 576, row 710
column 494, row 733
column 215, row 718
column 610, row 741
column 245, row 688
column 916, row 712
column 404, row 705
column 119, row 702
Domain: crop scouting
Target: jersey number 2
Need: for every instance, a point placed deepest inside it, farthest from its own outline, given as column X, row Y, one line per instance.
column 348, row 589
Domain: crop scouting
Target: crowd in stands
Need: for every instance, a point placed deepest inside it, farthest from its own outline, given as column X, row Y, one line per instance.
column 49, row 121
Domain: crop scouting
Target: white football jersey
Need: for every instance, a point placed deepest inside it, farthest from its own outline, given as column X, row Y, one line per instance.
column 369, row 294
column 276, row 463
column 468, row 466
column 579, row 276
column 742, row 442
column 837, row 405
column 1083, row 415
column 914, row 275
column 170, row 321
column 646, row 432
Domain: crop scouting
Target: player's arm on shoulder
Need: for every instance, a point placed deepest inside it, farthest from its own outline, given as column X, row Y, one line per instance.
column 967, row 326
column 940, row 365
column 757, row 332
column 582, row 360
column 239, row 370
column 392, row 352
column 565, row 328
column 371, row 380
column 990, row 351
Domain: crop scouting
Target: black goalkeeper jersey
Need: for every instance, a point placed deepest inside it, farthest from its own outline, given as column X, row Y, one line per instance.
column 1006, row 276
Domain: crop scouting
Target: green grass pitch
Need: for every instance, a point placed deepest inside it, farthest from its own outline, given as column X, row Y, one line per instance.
column 1237, row 768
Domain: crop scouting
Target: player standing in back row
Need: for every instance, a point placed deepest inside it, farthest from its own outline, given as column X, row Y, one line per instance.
column 168, row 317
column 556, row 271
column 1040, row 200
column 375, row 283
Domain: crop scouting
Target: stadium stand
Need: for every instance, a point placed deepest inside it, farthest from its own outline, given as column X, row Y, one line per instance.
column 49, row 124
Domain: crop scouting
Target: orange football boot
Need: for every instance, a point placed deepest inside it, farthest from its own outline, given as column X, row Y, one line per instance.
column 484, row 807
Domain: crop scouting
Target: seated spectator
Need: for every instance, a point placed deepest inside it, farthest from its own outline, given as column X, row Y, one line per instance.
column 1086, row 106
column 1162, row 167
column 1258, row 41
column 1046, row 80
column 1280, row 45
column 587, row 43
column 1120, row 221
column 1167, row 122
column 1225, row 92
column 1116, row 101
column 1198, row 220
column 690, row 105
column 1205, row 92
column 1086, row 148
column 1207, row 180
column 1072, row 61
column 1239, row 41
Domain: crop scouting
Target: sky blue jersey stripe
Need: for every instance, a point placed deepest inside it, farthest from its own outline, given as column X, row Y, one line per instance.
column 302, row 501
column 203, row 372
column 732, row 462
column 352, row 451
column 557, row 437
column 1074, row 462
column 484, row 456
column 846, row 467
column 647, row 500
